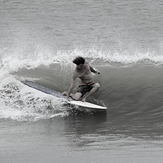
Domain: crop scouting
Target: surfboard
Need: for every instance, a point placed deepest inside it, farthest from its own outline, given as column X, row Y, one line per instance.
column 87, row 105
column 60, row 95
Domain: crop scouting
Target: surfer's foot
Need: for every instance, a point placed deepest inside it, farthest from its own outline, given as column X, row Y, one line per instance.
column 64, row 93
column 84, row 99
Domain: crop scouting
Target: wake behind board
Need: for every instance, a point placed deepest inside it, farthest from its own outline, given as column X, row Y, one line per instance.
column 60, row 95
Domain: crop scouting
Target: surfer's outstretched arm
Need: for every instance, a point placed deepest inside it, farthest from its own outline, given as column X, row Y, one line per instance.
column 93, row 70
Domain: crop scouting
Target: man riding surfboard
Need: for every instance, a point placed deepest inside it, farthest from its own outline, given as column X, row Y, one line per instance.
column 87, row 87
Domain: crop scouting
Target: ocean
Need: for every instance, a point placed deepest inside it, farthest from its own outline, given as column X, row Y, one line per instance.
column 122, row 39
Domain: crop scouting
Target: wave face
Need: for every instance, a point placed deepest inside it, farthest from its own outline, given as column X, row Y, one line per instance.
column 133, row 89
column 39, row 41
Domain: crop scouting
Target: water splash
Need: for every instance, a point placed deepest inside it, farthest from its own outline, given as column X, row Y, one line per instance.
column 22, row 103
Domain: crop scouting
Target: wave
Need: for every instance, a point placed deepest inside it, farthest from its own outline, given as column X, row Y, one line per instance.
column 22, row 103
column 16, row 60
column 131, row 84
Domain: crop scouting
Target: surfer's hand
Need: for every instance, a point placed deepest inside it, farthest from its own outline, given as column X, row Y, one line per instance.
column 98, row 72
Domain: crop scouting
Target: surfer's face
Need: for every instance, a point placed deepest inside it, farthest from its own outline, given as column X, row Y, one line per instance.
column 80, row 66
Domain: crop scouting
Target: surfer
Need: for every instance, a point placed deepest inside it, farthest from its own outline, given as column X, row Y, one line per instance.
column 87, row 87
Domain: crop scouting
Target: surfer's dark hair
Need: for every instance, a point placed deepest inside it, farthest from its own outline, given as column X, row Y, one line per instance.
column 79, row 60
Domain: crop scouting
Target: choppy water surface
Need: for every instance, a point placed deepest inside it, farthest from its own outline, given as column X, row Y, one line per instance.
column 122, row 39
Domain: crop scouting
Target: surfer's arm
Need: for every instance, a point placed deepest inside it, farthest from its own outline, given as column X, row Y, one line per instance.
column 93, row 70
column 71, row 86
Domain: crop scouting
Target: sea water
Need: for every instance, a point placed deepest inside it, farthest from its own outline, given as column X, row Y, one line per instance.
column 122, row 39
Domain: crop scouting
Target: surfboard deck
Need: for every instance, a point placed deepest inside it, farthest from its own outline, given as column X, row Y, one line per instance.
column 87, row 105
column 60, row 95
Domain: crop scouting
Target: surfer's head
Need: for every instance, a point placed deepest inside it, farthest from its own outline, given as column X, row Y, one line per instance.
column 79, row 60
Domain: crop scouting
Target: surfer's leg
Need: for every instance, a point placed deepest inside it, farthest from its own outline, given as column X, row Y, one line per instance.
column 95, row 88
column 75, row 96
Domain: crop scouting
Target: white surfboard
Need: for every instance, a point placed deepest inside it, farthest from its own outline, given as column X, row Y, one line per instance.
column 60, row 95
column 87, row 105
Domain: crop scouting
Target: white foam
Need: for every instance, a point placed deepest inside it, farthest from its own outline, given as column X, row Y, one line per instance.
column 20, row 102
column 44, row 57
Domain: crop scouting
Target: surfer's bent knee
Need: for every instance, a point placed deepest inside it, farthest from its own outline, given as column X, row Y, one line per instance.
column 77, row 96
column 97, row 85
